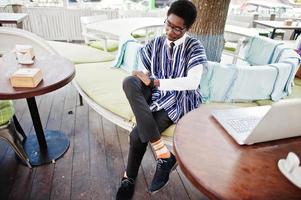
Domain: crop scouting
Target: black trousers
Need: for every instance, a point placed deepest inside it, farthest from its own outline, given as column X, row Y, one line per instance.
column 149, row 126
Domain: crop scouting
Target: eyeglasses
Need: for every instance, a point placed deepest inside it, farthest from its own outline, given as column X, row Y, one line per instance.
column 176, row 30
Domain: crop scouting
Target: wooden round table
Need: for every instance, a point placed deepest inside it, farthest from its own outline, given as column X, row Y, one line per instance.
column 222, row 169
column 42, row 147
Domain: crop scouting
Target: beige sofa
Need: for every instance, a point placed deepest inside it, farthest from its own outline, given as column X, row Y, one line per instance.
column 100, row 85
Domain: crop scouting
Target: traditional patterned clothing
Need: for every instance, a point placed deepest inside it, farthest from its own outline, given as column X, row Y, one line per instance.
column 160, row 64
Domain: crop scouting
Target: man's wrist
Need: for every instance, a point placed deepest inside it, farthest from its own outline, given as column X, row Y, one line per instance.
column 157, row 83
column 151, row 83
column 154, row 83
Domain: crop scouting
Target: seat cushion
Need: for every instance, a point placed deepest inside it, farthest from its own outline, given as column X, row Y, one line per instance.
column 230, row 46
column 106, row 89
column 139, row 34
column 168, row 133
column 297, row 81
column 6, row 111
column 262, row 31
column 296, row 93
column 112, row 45
column 79, row 54
column 103, row 84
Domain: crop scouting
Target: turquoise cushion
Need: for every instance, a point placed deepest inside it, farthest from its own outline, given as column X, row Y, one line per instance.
column 265, row 46
column 131, row 58
column 216, row 80
column 128, row 56
column 6, row 111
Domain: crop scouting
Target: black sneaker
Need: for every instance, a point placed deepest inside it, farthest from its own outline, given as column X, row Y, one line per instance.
column 163, row 169
column 126, row 189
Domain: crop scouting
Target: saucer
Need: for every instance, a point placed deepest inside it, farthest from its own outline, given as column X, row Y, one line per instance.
column 26, row 62
column 294, row 179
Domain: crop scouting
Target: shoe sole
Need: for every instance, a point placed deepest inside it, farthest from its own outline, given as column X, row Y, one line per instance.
column 172, row 169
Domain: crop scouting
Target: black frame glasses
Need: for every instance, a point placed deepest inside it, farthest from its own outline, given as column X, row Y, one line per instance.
column 176, row 30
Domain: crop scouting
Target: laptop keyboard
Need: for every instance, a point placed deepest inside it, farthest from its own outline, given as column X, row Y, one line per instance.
column 243, row 125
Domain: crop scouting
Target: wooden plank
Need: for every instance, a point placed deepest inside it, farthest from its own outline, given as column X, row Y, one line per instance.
column 193, row 193
column 8, row 170
column 39, row 188
column 174, row 189
column 98, row 170
column 24, row 178
column 57, row 110
column 3, row 150
column 22, row 183
column 114, row 160
column 140, row 185
column 8, row 159
column 81, row 165
column 62, row 176
column 51, row 118
column 149, row 167
column 20, row 107
column 25, row 118
column 94, row 163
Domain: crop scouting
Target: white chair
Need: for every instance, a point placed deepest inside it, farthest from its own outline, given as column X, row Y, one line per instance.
column 18, row 8
column 145, row 34
column 232, row 48
column 9, row 37
column 95, row 39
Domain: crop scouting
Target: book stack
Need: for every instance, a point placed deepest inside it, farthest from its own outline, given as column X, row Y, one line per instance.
column 26, row 77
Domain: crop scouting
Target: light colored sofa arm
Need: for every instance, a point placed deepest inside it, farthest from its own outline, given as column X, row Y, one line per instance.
column 230, row 83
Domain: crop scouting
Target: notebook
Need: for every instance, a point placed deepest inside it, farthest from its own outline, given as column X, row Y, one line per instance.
column 262, row 123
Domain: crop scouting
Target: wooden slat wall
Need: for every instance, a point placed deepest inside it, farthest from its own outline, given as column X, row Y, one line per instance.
column 61, row 23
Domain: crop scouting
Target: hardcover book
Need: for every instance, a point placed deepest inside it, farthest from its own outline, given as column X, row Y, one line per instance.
column 26, row 77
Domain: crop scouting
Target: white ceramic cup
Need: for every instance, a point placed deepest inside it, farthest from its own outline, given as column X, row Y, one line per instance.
column 292, row 161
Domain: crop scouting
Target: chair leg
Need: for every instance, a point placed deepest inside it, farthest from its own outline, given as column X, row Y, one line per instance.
column 80, row 100
column 17, row 146
column 9, row 134
column 19, row 127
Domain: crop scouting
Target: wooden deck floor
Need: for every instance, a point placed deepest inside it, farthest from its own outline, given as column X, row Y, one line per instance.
column 93, row 165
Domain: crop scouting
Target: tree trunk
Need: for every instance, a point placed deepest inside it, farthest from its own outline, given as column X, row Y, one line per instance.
column 209, row 26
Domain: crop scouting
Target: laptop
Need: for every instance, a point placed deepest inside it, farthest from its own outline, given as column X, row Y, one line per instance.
column 262, row 123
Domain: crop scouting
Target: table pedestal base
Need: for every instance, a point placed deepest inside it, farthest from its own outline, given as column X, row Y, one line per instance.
column 57, row 145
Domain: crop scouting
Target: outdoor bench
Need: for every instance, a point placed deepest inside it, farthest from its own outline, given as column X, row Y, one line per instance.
column 100, row 85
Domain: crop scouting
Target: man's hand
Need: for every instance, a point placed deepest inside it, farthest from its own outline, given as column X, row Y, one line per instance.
column 142, row 76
